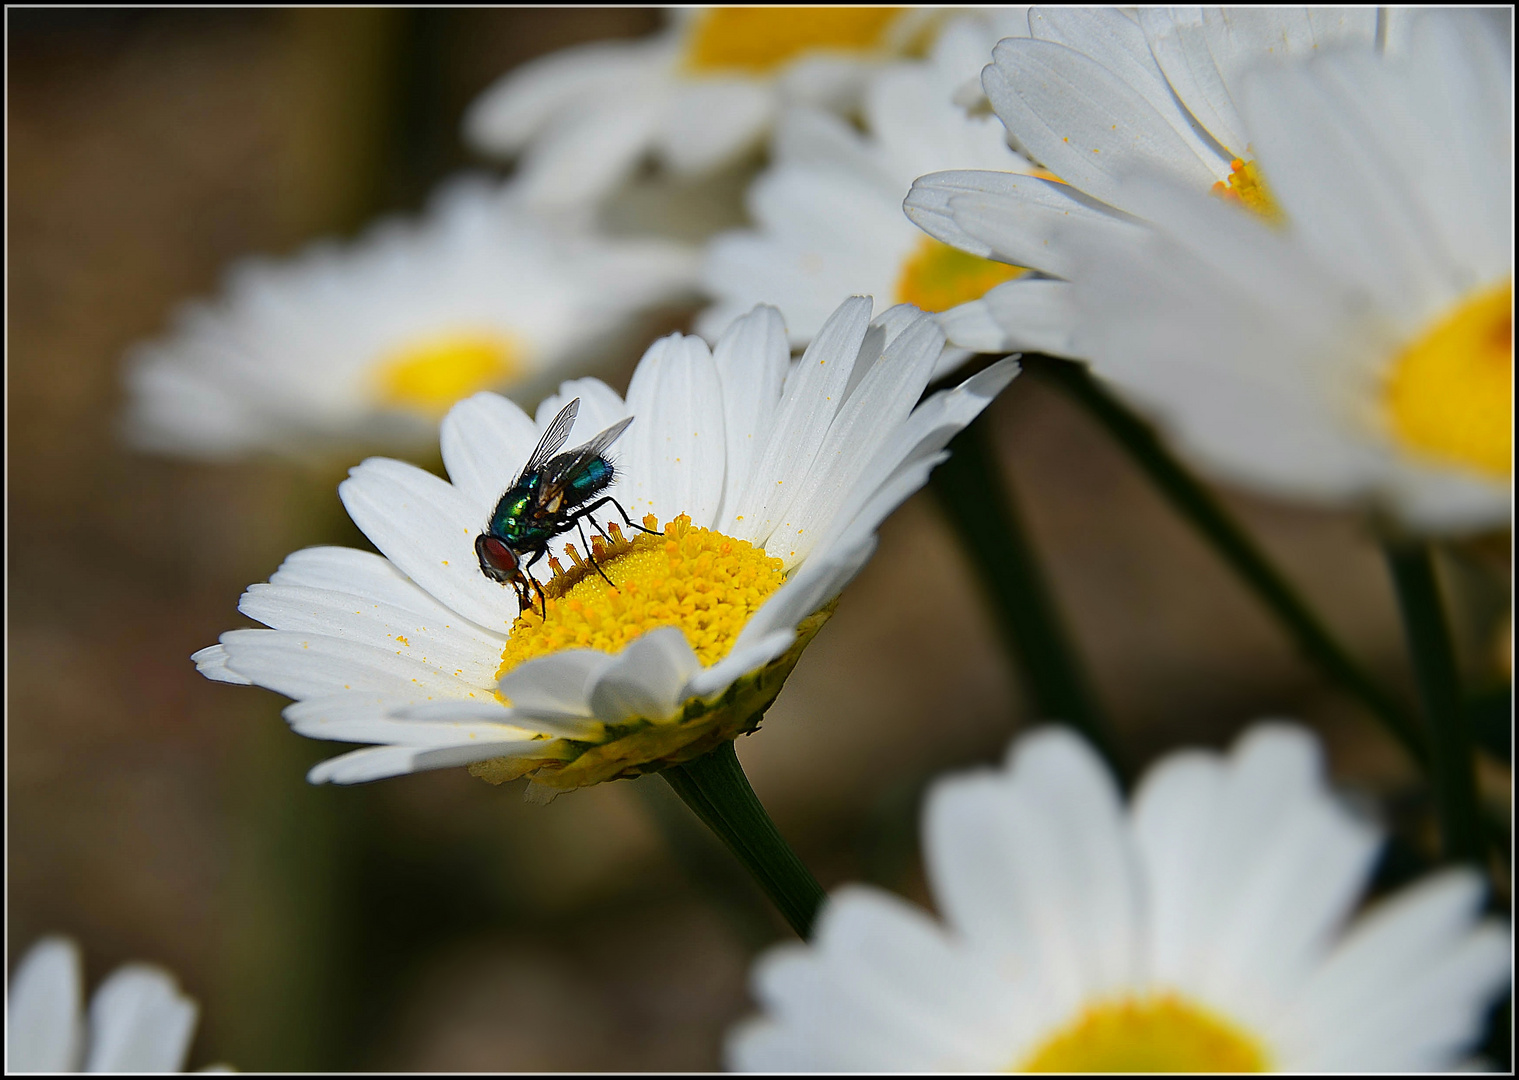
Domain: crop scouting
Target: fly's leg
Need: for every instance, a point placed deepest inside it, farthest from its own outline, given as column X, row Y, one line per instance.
column 599, row 503
column 540, row 553
column 591, row 558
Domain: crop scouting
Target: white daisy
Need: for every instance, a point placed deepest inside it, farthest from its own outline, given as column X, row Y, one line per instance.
column 829, row 210
column 138, row 1020
column 768, row 478
column 1091, row 95
column 1203, row 929
column 1362, row 349
column 695, row 96
column 376, row 339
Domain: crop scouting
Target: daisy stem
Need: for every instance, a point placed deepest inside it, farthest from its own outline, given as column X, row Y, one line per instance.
column 1232, row 543
column 979, row 502
column 1434, row 659
column 717, row 791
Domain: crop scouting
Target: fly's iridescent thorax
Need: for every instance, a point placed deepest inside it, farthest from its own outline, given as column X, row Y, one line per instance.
column 515, row 513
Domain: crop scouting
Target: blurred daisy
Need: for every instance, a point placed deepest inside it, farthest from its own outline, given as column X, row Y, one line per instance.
column 138, row 1020
column 1362, row 348
column 1092, row 95
column 375, row 340
column 829, row 211
column 766, row 480
column 1203, row 930
column 695, row 97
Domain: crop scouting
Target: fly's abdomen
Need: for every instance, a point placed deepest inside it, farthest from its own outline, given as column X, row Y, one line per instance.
column 589, row 480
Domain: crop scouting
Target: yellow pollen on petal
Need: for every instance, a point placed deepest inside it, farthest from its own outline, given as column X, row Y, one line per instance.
column 937, row 277
column 759, row 40
column 1247, row 187
column 706, row 583
column 429, row 375
column 1152, row 1033
column 1450, row 395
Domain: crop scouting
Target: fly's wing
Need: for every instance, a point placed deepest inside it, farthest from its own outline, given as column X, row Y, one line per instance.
column 566, row 465
column 553, row 438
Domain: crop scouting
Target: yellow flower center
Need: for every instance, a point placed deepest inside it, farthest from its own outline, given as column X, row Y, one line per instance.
column 760, row 40
column 1247, row 187
column 1155, row 1033
column 704, row 582
column 1450, row 395
column 430, row 375
column 937, row 277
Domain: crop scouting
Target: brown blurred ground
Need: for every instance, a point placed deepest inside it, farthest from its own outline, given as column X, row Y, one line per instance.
column 433, row 922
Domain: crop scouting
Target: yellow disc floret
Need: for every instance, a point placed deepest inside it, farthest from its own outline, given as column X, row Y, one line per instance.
column 429, row 375
column 937, row 277
column 759, row 40
column 707, row 584
column 1247, row 187
column 704, row 582
column 1154, row 1033
column 1450, row 395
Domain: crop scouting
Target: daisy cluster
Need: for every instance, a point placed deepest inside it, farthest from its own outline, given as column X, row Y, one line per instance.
column 1283, row 236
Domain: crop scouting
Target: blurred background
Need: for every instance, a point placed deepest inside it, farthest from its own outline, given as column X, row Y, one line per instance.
column 434, row 922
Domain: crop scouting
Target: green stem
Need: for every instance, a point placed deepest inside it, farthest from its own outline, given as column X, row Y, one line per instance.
column 1235, row 546
column 717, row 791
column 978, row 500
column 1434, row 660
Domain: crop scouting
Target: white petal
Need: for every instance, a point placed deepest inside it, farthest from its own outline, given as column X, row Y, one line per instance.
column 1431, row 1018
column 382, row 762
column 809, row 136
column 811, row 396
column 557, row 684
column 1314, row 153
column 901, row 466
column 362, row 575
column 883, row 987
column 585, row 156
column 302, row 666
column 388, row 718
column 710, row 121
column 514, row 108
column 645, row 680
column 1035, row 314
column 358, row 574
column 1116, row 41
column 486, row 440
column 140, row 1022
column 504, row 723
column 676, row 448
column 212, row 663
column 1033, row 865
column 746, row 657
column 1006, row 216
column 817, row 581
column 427, row 528
column 751, row 360
column 871, row 417
column 1389, row 951
column 1173, row 809
column 1244, row 904
column 1082, row 122
column 599, row 409
column 455, row 647
column 973, row 326
column 44, row 1029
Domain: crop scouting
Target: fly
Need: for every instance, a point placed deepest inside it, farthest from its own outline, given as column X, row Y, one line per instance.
column 549, row 497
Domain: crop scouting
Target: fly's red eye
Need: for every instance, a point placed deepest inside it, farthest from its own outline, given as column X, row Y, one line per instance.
column 495, row 554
